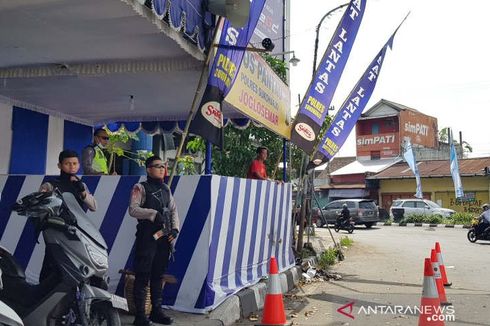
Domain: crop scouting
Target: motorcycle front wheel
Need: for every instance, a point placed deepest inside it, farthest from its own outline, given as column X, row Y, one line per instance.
column 351, row 229
column 472, row 235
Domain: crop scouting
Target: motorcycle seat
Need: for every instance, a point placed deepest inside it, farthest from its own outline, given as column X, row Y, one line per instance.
column 9, row 266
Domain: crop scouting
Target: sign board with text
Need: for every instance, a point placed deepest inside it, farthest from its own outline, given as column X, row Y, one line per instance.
column 261, row 95
column 420, row 128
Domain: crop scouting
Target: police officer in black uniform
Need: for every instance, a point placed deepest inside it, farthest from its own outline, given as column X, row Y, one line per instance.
column 158, row 225
column 68, row 181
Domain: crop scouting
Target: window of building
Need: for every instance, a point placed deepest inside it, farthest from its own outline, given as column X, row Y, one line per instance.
column 375, row 128
column 375, row 155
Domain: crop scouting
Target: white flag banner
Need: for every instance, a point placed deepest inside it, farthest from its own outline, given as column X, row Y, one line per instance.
column 454, row 166
column 409, row 156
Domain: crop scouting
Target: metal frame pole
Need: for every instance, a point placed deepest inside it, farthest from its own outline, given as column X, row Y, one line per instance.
column 194, row 102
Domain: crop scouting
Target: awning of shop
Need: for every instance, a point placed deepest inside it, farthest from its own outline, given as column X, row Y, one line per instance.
column 347, row 193
column 83, row 60
column 159, row 127
column 370, row 166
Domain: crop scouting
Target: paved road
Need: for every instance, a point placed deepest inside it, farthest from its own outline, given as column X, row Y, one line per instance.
column 385, row 268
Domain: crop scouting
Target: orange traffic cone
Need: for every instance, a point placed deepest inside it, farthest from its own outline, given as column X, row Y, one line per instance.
column 441, row 265
column 438, row 278
column 273, row 306
column 430, row 308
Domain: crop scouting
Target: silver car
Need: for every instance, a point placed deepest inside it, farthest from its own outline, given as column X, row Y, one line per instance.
column 405, row 207
column 362, row 211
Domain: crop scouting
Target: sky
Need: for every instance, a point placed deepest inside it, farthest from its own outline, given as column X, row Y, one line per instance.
column 439, row 64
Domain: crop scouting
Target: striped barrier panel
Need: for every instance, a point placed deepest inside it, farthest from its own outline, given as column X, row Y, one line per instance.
column 230, row 227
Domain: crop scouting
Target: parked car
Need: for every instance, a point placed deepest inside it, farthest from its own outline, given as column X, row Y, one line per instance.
column 405, row 207
column 363, row 211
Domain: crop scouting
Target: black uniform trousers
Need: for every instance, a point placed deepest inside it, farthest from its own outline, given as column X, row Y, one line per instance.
column 150, row 263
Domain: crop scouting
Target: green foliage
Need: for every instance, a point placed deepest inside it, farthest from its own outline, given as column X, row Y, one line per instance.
column 122, row 136
column 279, row 66
column 346, row 241
column 240, row 150
column 389, row 221
column 460, row 218
column 185, row 165
column 196, row 144
column 326, row 124
column 444, row 135
column 421, row 218
column 327, row 258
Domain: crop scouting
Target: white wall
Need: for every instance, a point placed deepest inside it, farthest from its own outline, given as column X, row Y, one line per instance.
column 5, row 136
column 55, row 144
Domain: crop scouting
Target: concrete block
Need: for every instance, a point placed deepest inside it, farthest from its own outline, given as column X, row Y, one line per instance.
column 248, row 302
column 227, row 312
column 284, row 282
column 296, row 272
column 260, row 291
column 289, row 278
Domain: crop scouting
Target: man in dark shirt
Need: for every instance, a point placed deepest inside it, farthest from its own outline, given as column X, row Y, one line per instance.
column 68, row 181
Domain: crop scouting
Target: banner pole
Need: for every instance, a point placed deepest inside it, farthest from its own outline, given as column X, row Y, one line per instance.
column 194, row 101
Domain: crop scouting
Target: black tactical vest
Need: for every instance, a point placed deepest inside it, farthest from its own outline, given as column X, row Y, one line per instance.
column 157, row 198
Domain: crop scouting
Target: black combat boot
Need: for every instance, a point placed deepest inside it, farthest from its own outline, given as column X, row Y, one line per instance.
column 157, row 315
column 139, row 293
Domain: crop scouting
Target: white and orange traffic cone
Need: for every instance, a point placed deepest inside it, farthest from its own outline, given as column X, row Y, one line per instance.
column 429, row 304
column 441, row 265
column 274, row 306
column 438, row 278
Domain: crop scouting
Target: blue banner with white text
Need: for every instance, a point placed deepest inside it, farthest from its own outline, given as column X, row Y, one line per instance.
column 353, row 106
column 208, row 121
column 316, row 102
column 454, row 166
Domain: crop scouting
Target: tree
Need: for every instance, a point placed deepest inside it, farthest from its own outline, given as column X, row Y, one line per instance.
column 444, row 137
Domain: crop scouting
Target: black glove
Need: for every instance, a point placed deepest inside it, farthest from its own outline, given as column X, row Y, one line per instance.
column 159, row 219
column 79, row 187
column 174, row 233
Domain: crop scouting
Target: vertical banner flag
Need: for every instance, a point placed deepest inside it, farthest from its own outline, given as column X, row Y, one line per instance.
column 351, row 109
column 208, row 121
column 453, row 158
column 409, row 156
column 316, row 102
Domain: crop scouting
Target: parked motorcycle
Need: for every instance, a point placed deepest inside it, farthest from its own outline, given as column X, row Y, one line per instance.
column 343, row 224
column 8, row 317
column 474, row 234
column 75, row 294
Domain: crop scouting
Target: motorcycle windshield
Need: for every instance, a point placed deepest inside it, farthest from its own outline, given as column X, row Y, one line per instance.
column 84, row 223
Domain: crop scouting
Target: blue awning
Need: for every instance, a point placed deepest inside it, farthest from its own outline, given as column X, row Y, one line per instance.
column 188, row 16
column 160, row 127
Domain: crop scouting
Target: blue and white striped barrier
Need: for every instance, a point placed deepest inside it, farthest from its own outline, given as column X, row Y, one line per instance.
column 230, row 227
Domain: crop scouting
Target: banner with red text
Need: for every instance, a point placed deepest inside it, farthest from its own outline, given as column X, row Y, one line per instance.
column 261, row 95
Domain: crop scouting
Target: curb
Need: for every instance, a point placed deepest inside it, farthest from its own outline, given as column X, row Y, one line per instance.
column 251, row 299
column 455, row 226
